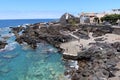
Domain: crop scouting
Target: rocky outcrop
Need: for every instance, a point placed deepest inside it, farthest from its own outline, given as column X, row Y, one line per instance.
column 36, row 33
column 96, row 63
column 65, row 17
column 17, row 29
column 68, row 18
column 84, row 30
column 52, row 32
column 2, row 44
column 97, row 50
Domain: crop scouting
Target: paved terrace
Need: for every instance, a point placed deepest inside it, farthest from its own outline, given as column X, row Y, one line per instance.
column 73, row 47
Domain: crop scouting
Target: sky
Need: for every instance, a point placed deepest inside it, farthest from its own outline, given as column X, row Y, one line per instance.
column 35, row 9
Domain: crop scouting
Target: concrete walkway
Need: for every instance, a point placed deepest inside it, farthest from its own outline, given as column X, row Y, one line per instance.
column 73, row 47
column 74, row 36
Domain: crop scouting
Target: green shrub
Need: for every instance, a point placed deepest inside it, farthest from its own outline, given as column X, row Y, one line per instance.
column 111, row 18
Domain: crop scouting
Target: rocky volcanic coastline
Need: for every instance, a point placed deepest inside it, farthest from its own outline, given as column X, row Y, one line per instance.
column 98, row 62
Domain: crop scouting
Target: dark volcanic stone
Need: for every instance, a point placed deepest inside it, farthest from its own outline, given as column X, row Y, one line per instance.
column 71, row 19
column 116, row 45
column 99, row 61
column 75, row 77
column 2, row 44
column 17, row 29
column 63, row 18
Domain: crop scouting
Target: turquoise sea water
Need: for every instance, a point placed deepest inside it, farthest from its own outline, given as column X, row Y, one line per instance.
column 20, row 62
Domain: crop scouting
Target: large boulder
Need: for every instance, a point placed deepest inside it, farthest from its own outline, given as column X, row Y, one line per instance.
column 68, row 18
column 97, row 51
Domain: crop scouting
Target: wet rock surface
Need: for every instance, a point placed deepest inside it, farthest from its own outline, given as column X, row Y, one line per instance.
column 17, row 29
column 2, row 44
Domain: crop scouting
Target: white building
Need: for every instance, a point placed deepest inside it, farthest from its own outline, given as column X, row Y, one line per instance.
column 93, row 15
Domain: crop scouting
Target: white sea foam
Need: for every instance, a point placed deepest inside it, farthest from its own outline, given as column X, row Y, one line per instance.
column 7, row 35
column 5, row 29
column 74, row 64
column 5, row 32
column 9, row 47
column 1, row 50
column 20, row 33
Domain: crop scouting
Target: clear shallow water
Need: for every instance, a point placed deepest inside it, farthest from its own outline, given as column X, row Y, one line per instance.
column 20, row 62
